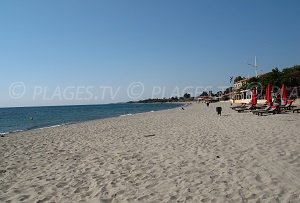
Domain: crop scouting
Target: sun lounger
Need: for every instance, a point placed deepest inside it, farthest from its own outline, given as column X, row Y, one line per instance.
column 296, row 110
column 273, row 110
column 258, row 110
column 240, row 106
column 287, row 106
column 248, row 108
column 261, row 106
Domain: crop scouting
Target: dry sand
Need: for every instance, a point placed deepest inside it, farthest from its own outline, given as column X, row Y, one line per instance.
column 195, row 156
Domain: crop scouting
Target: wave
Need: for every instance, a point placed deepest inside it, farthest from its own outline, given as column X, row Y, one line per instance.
column 10, row 132
column 67, row 110
column 35, row 128
column 126, row 115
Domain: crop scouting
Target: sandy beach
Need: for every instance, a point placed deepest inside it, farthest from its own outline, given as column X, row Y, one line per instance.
column 193, row 155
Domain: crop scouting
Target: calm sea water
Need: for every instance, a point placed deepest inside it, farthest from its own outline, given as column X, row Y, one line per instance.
column 18, row 119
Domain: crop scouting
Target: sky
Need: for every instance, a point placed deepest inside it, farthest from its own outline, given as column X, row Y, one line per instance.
column 66, row 52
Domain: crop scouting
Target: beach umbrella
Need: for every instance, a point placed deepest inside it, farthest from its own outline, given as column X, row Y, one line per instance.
column 254, row 99
column 283, row 94
column 268, row 95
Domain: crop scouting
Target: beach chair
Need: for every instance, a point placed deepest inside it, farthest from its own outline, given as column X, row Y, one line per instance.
column 291, row 105
column 296, row 110
column 287, row 106
column 273, row 110
column 261, row 106
column 248, row 108
column 258, row 110
column 240, row 106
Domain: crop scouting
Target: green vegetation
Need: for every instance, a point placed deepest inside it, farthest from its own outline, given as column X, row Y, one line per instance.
column 238, row 78
column 290, row 77
column 203, row 94
column 186, row 97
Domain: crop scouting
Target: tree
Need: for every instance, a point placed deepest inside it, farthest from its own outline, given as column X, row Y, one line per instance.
column 238, row 78
column 204, row 94
column 272, row 78
column 289, row 76
column 187, row 96
column 219, row 93
column 277, row 77
column 229, row 89
column 174, row 98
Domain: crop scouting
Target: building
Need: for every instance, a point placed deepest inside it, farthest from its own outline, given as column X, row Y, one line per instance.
column 243, row 96
column 237, row 85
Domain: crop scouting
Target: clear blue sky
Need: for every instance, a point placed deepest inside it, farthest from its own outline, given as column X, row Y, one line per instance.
column 61, row 43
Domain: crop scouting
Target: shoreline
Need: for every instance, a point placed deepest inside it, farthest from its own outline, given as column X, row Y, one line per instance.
column 63, row 124
column 190, row 155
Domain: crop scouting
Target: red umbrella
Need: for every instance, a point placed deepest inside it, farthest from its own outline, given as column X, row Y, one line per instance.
column 283, row 94
column 254, row 99
column 268, row 95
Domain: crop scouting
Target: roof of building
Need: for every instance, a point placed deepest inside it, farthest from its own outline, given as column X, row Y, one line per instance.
column 246, row 79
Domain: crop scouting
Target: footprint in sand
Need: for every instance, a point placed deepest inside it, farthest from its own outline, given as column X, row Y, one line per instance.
column 61, row 184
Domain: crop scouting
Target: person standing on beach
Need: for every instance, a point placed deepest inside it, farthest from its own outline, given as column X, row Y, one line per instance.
column 278, row 99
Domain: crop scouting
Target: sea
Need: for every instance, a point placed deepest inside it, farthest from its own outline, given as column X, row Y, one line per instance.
column 26, row 118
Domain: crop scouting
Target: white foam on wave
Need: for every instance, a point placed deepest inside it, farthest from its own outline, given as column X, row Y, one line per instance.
column 15, row 131
column 126, row 115
column 53, row 126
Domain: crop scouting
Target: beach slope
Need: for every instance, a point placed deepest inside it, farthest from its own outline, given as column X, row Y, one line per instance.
column 175, row 155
